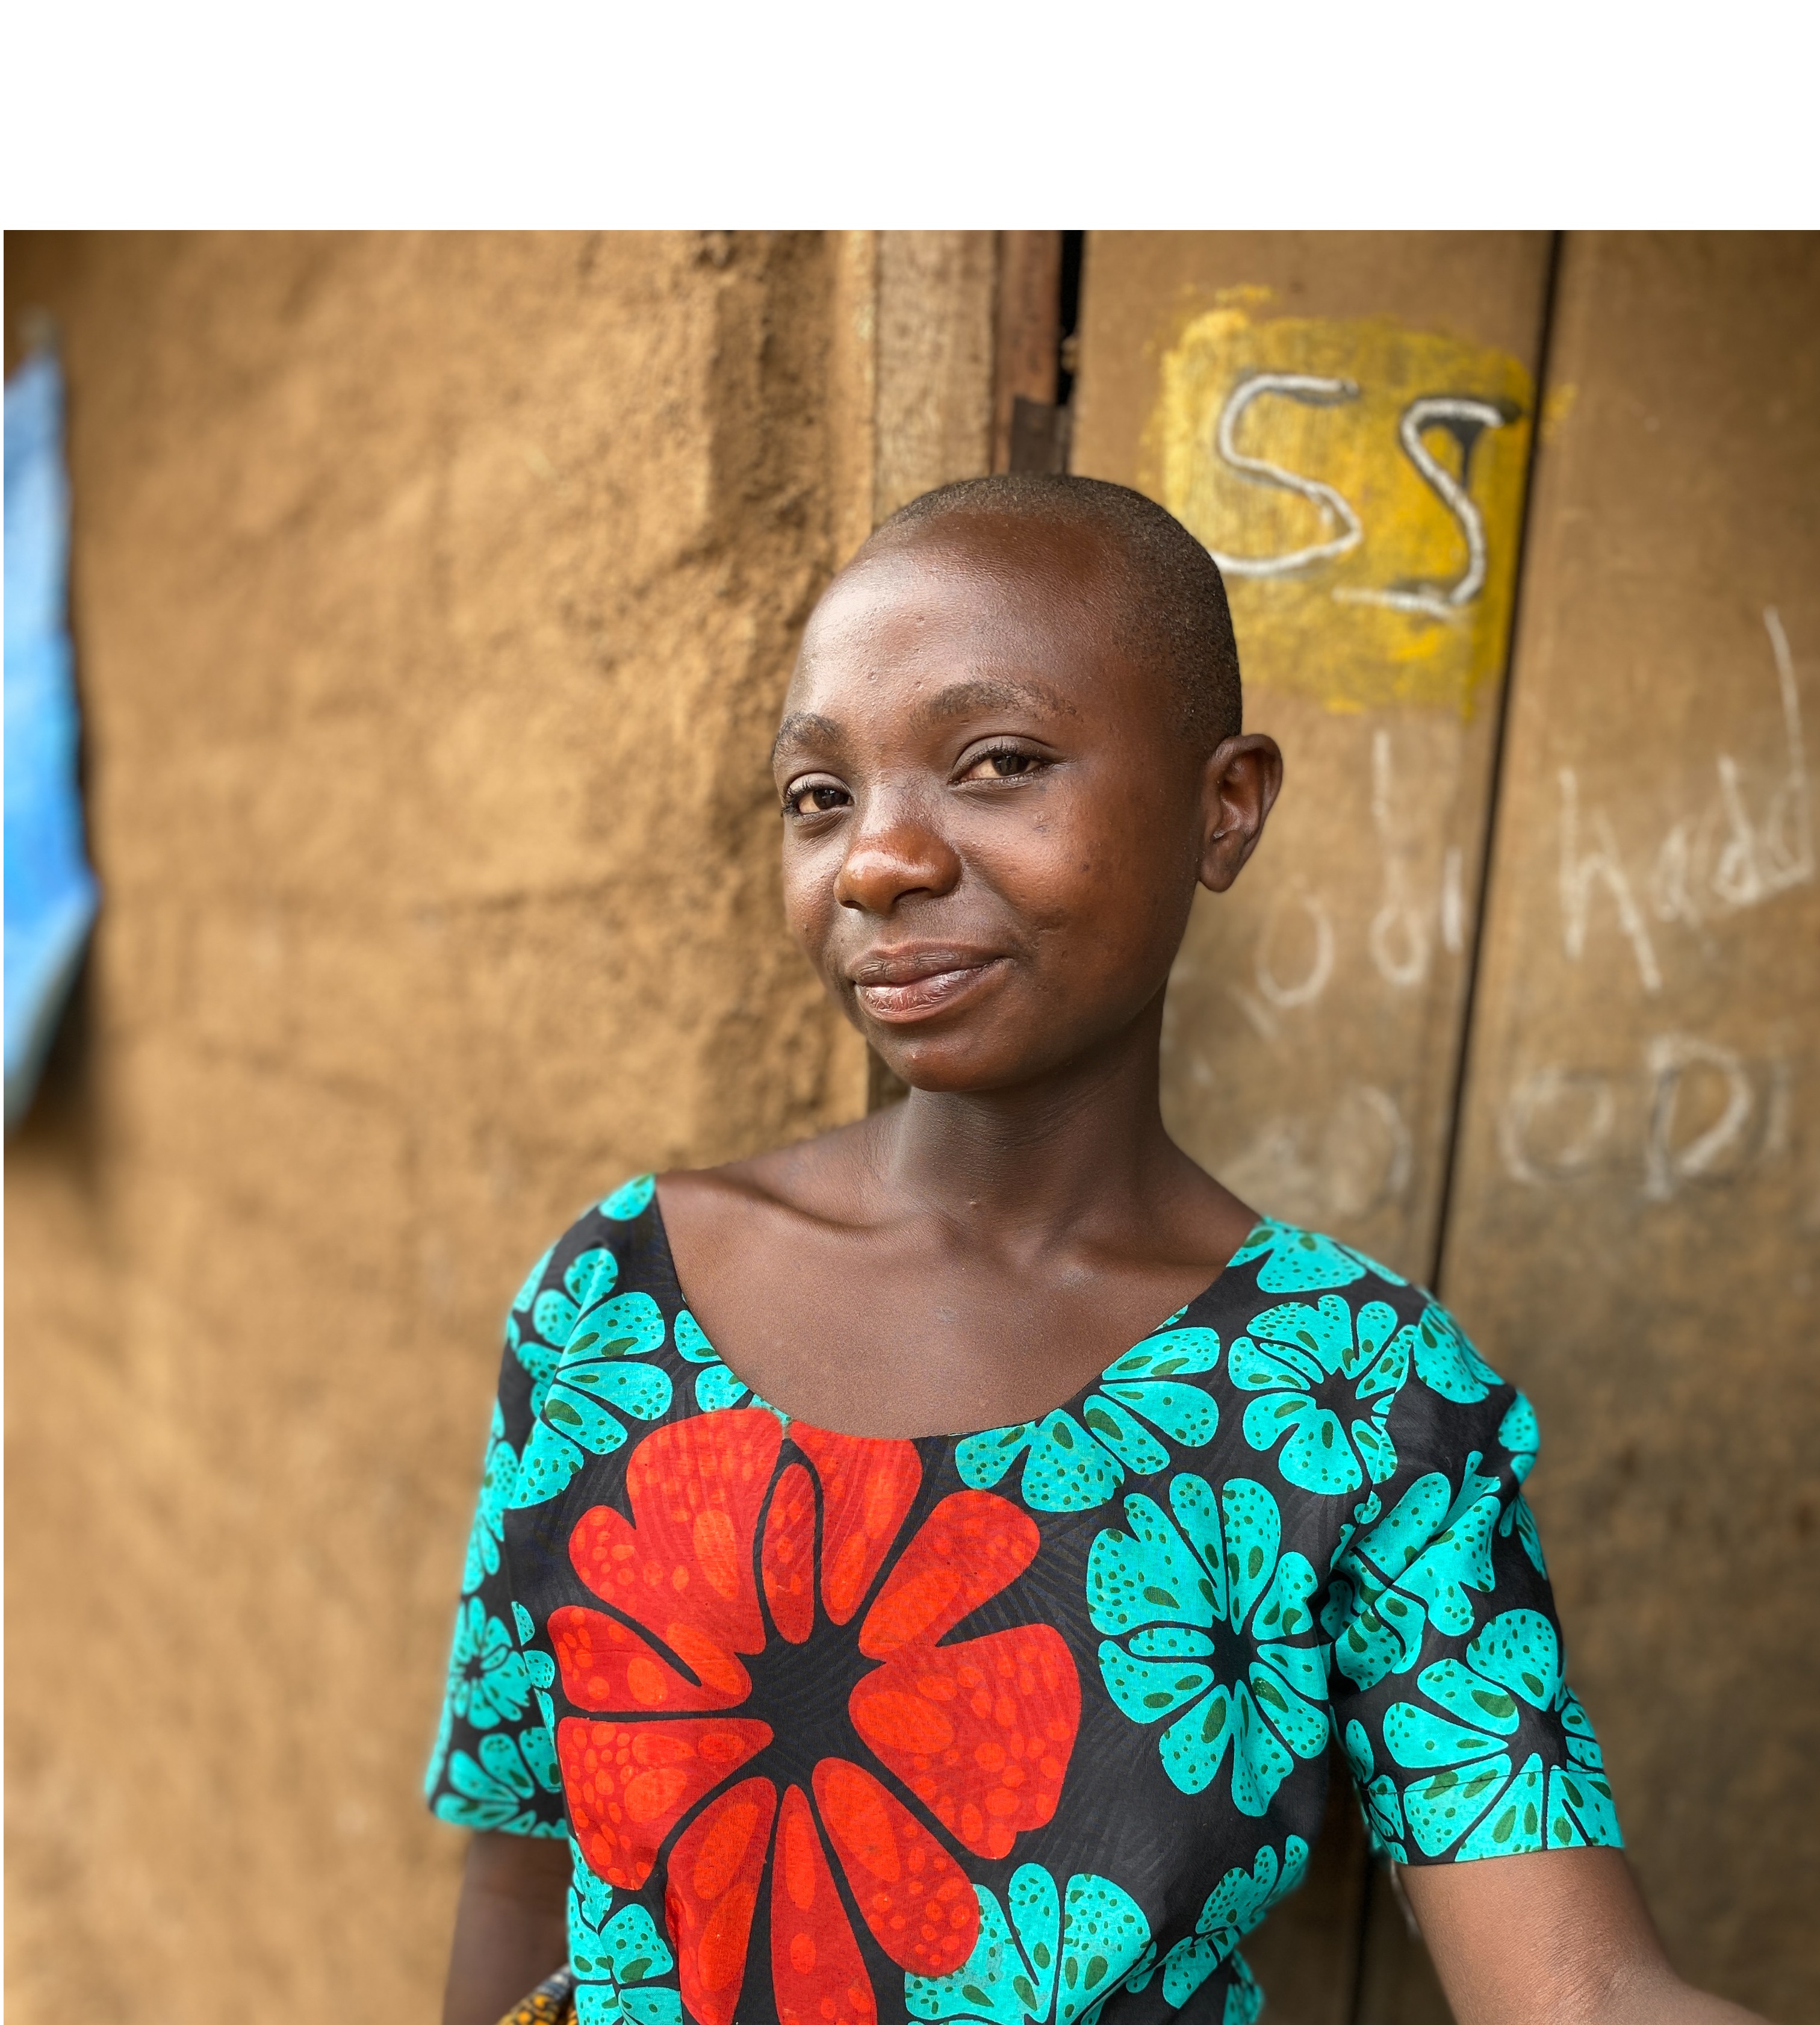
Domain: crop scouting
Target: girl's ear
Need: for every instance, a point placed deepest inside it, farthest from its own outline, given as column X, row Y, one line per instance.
column 1239, row 787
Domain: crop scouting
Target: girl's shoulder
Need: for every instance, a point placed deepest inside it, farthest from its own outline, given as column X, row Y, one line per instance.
column 1307, row 1312
column 1291, row 1260
column 616, row 1245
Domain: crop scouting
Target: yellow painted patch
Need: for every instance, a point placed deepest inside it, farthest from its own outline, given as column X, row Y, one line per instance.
column 1362, row 486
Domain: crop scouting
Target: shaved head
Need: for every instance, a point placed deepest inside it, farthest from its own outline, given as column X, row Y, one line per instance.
column 1170, row 603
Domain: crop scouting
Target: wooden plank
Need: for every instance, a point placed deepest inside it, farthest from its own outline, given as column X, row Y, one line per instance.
column 1636, row 1222
column 1028, row 330
column 935, row 339
column 923, row 305
column 1317, row 1013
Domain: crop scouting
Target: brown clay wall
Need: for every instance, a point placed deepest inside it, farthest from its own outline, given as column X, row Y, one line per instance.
column 434, row 598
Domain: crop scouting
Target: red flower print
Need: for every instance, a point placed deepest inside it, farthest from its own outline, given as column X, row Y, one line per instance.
column 691, row 1729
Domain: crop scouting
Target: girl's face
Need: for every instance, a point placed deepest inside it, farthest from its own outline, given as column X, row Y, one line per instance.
column 993, row 826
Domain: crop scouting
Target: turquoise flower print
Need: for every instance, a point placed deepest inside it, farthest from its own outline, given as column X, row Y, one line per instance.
column 1073, row 1464
column 580, row 1394
column 1412, row 1568
column 497, row 1474
column 630, row 1199
column 1199, row 1607
column 717, row 1386
column 617, row 1957
column 1233, row 1907
column 1580, row 1795
column 1519, row 1433
column 1055, row 1961
column 496, row 1791
column 487, row 1683
column 540, row 1667
column 590, row 1277
column 533, row 1280
column 1377, row 1796
column 1469, row 1787
column 1305, row 1361
column 1445, row 1361
column 1303, row 1261
column 1244, row 1999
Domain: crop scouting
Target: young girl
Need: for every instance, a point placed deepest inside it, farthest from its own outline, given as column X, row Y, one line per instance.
column 919, row 1573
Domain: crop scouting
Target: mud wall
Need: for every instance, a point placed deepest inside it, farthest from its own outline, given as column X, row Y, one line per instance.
column 434, row 598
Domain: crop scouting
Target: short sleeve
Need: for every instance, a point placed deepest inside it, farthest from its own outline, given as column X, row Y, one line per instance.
column 1449, row 1682
column 494, row 1763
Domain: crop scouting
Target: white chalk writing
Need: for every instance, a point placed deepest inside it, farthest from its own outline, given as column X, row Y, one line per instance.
column 1699, row 1111
column 1717, row 862
column 1335, row 507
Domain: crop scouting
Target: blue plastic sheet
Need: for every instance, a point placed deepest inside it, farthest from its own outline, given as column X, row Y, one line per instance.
column 50, row 893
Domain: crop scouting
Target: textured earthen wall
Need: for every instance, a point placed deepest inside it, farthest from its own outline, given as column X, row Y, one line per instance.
column 434, row 598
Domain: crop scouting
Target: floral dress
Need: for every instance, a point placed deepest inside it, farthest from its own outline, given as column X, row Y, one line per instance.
column 1021, row 1727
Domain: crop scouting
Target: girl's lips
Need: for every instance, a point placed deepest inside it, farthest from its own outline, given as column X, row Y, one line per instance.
column 921, row 997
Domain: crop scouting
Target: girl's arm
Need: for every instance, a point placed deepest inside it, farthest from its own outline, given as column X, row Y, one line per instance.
column 1555, row 1939
column 510, row 1925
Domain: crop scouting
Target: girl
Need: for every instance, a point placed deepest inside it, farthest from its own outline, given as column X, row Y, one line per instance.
column 919, row 1573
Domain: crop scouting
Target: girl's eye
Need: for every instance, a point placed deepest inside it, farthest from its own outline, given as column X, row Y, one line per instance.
column 1006, row 765
column 819, row 798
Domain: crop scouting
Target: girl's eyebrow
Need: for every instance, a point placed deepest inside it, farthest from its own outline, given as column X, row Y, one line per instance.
column 804, row 727
column 965, row 698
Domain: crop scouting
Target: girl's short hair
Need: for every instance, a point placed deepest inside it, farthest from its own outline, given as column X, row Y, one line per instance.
column 1174, row 613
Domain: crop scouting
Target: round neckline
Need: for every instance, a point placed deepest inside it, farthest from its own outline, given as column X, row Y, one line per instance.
column 1177, row 1319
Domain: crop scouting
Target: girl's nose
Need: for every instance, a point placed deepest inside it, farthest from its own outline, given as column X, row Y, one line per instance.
column 893, row 860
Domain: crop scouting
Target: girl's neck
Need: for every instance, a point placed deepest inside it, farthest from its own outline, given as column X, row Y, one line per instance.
column 1082, row 1149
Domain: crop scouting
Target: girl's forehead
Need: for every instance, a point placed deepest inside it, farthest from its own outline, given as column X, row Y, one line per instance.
column 921, row 708
column 880, row 686
column 958, row 618
column 915, row 602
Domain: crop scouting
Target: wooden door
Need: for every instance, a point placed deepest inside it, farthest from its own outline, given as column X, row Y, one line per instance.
column 1346, row 422
column 1583, row 1109
column 1635, row 1228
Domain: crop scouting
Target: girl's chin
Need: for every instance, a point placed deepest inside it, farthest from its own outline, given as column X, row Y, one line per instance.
column 954, row 1065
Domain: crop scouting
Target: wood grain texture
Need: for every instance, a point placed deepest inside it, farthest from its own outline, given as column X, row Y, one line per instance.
column 936, row 295
column 925, row 305
column 1028, row 329
column 1315, row 1014
column 1635, row 1236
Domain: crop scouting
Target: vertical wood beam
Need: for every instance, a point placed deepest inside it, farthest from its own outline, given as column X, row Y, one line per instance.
column 1634, row 1234
column 913, row 357
column 936, row 292
column 1316, row 1016
column 1028, row 330
column 852, row 391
